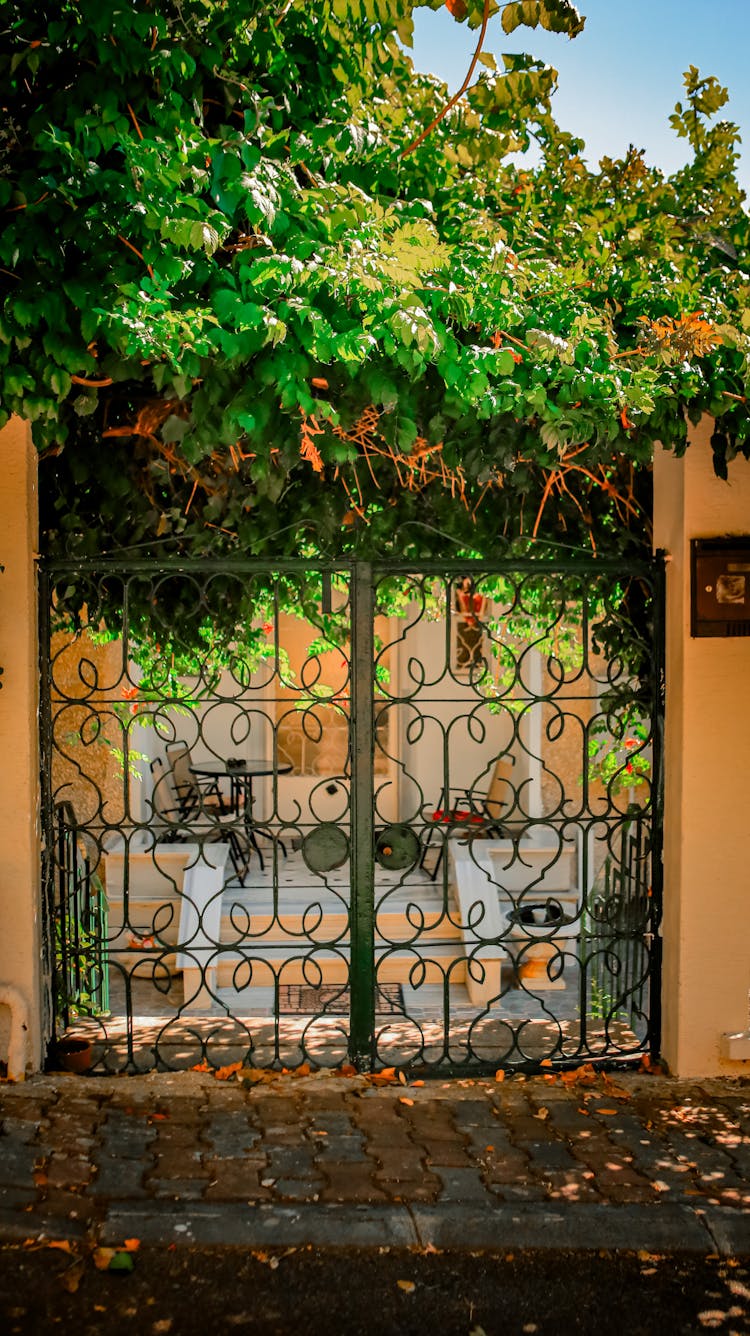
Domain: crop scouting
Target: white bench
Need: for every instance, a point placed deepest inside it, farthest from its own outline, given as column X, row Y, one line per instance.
column 199, row 932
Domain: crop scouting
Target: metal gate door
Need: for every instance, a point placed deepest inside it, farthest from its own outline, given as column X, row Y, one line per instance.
column 378, row 815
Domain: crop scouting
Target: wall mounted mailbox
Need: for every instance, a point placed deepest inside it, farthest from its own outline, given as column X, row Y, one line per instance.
column 720, row 587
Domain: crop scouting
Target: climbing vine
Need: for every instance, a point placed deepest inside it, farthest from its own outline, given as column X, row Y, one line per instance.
column 267, row 290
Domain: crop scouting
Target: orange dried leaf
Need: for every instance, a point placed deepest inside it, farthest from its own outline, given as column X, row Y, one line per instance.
column 63, row 1245
column 407, row 1286
column 404, row 1099
column 102, row 1257
column 304, row 1069
column 71, row 1279
column 224, row 1073
column 546, row 1062
column 132, row 1245
column 500, row 1075
column 607, row 1113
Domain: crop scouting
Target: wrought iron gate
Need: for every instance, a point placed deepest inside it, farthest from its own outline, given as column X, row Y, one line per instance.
column 353, row 813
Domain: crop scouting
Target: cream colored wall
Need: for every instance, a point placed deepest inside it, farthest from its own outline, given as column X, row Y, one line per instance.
column 707, row 799
column 20, row 933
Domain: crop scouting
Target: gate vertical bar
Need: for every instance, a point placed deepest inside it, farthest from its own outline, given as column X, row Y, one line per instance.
column 48, row 980
column 362, row 907
column 657, row 800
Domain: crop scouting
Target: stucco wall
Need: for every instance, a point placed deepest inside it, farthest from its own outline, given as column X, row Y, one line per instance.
column 20, row 931
column 707, row 799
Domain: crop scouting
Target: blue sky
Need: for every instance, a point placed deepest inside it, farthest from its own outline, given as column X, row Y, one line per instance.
column 620, row 79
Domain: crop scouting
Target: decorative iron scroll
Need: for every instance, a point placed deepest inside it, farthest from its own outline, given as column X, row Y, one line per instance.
column 319, row 814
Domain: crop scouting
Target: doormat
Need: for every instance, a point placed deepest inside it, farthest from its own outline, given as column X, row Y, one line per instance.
column 300, row 1000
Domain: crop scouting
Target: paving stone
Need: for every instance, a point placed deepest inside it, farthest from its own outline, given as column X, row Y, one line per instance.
column 64, row 1171
column 17, row 1197
column 336, row 1122
column 298, row 1189
column 350, row 1183
column 344, row 1148
column 291, row 1162
column 118, row 1178
column 448, row 1154
column 178, row 1189
column 234, row 1180
column 17, row 1160
column 545, row 1156
column 463, row 1185
column 181, row 1164
column 397, row 1164
column 230, row 1134
column 19, row 1129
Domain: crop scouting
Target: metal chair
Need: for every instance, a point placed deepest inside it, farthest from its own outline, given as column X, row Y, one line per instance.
column 476, row 815
column 194, row 795
column 198, row 822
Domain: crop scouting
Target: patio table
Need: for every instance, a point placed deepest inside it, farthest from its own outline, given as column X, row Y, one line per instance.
column 241, row 779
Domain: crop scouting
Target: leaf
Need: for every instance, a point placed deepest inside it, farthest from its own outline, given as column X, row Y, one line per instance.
column 404, row 1099
column 102, row 1257
column 225, row 1073
column 70, row 1279
column 407, row 1286
column 542, row 1114
column 121, row 1261
column 500, row 1074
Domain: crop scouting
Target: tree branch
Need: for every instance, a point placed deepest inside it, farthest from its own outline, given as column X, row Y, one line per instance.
column 441, row 116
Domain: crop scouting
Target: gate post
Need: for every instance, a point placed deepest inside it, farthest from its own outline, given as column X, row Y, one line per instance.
column 20, row 931
column 706, row 923
column 362, row 907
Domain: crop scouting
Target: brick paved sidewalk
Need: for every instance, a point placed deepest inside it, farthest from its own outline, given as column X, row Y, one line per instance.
column 626, row 1162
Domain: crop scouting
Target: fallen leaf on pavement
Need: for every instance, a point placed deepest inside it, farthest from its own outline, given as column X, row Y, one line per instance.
column 404, row 1099
column 224, row 1073
column 132, row 1245
column 64, row 1245
column 71, row 1279
column 407, row 1286
column 607, row 1113
column 112, row 1259
column 500, row 1075
column 542, row 1114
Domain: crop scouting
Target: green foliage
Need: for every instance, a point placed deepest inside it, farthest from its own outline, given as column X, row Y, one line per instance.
column 213, row 238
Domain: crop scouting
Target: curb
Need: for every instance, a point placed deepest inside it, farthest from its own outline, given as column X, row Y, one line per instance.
column 584, row 1228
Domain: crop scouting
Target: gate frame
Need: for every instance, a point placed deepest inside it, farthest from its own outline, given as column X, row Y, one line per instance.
column 363, row 576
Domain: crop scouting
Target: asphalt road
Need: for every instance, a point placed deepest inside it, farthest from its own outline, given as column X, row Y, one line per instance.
column 186, row 1292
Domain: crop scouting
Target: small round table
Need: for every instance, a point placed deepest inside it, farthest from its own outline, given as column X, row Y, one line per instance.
column 241, row 785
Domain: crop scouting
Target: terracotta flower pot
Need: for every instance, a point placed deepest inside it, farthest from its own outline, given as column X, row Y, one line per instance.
column 73, row 1055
